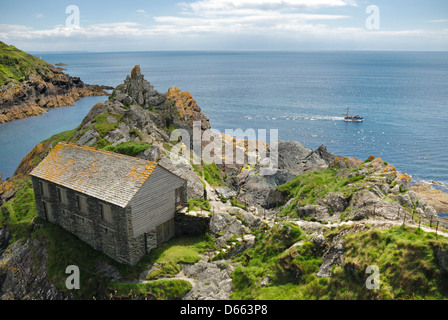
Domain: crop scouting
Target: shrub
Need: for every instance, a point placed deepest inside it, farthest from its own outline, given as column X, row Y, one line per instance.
column 130, row 148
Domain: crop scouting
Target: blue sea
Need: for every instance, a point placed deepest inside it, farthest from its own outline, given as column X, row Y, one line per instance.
column 403, row 97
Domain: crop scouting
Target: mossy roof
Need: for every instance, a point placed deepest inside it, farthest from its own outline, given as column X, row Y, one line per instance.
column 108, row 176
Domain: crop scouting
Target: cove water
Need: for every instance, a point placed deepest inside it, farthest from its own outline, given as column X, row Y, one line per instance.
column 403, row 97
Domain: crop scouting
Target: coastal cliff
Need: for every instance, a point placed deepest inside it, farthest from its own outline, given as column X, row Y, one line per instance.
column 308, row 231
column 29, row 85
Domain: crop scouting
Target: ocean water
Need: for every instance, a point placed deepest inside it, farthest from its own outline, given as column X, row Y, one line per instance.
column 403, row 97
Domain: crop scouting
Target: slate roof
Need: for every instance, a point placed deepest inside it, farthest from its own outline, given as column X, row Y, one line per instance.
column 108, row 176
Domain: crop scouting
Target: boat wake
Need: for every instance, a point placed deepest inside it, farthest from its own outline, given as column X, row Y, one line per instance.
column 296, row 118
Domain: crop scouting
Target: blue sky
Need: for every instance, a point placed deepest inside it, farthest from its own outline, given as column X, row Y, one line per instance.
column 225, row 25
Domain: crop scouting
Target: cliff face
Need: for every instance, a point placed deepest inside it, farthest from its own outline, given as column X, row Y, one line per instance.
column 29, row 84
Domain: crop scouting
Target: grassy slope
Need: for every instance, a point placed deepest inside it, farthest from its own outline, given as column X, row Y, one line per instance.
column 19, row 215
column 406, row 258
column 16, row 64
column 308, row 187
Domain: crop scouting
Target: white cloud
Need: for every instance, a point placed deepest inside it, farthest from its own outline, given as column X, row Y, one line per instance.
column 213, row 5
column 439, row 21
column 39, row 15
column 239, row 22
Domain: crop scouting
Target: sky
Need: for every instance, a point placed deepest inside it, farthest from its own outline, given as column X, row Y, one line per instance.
column 164, row 25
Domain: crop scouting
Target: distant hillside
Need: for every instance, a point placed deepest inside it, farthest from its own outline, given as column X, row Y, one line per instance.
column 29, row 84
column 16, row 65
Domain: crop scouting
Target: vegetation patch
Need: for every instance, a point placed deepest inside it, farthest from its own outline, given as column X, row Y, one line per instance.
column 210, row 173
column 102, row 126
column 130, row 148
column 307, row 188
column 64, row 249
column 18, row 214
column 65, row 136
column 262, row 261
column 16, row 64
column 198, row 204
column 407, row 259
column 155, row 290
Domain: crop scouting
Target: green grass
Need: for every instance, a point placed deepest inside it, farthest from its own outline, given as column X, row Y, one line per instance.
column 101, row 125
column 65, row 136
column 64, row 249
column 263, row 260
column 18, row 214
column 198, row 204
column 236, row 203
column 210, row 173
column 179, row 250
column 309, row 187
column 16, row 64
column 130, row 148
column 406, row 257
column 170, row 254
column 158, row 290
column 137, row 133
column 407, row 261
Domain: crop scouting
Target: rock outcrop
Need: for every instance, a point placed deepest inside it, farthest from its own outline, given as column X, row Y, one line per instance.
column 293, row 159
column 29, row 85
column 436, row 198
column 187, row 107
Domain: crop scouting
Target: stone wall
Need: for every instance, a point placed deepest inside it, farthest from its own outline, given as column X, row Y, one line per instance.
column 111, row 238
column 190, row 225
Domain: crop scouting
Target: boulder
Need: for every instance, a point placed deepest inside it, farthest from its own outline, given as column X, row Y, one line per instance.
column 212, row 280
column 88, row 138
column 316, row 212
column 184, row 169
column 336, row 202
column 434, row 197
column 225, row 192
column 223, row 227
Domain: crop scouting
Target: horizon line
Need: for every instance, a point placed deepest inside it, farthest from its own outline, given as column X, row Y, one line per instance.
column 233, row 50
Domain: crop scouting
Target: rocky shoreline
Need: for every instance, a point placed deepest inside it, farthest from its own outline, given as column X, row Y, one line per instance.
column 29, row 86
column 324, row 197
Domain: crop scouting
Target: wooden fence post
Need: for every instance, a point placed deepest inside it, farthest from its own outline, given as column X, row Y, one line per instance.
column 437, row 227
column 419, row 222
column 430, row 222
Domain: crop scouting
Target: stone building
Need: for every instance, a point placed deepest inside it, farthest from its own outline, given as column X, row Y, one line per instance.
column 120, row 205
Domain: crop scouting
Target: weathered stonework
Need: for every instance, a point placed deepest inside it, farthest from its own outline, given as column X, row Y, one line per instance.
column 119, row 205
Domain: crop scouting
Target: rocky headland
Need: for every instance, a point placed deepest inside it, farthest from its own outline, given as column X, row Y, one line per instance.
column 29, row 85
column 307, row 231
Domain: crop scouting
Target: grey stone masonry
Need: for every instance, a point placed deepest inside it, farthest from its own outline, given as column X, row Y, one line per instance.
column 119, row 205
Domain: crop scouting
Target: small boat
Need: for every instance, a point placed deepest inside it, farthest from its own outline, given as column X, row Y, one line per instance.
column 356, row 118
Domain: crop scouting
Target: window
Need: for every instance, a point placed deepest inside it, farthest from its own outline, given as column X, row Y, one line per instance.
column 106, row 212
column 62, row 196
column 44, row 189
column 82, row 203
column 179, row 197
column 47, row 211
